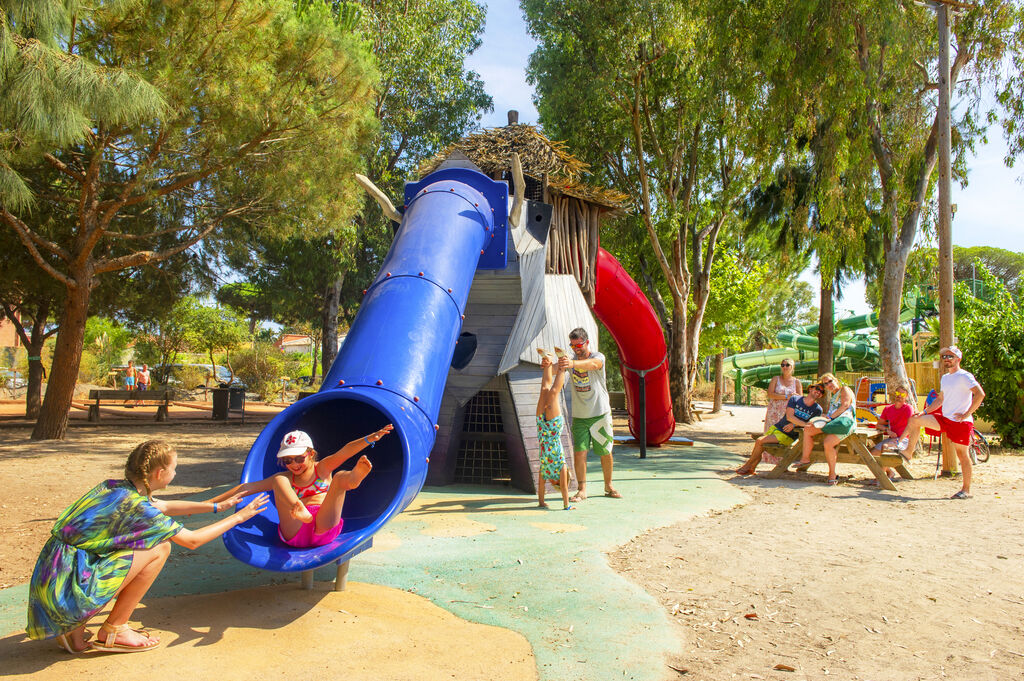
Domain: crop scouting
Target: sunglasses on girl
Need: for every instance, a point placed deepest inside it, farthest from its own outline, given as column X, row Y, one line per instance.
column 289, row 460
column 786, row 364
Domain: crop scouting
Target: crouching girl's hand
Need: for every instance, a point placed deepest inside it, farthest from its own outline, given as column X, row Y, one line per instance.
column 251, row 509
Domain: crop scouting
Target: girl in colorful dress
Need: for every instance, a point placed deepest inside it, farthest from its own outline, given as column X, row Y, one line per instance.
column 549, row 431
column 308, row 494
column 780, row 389
column 112, row 544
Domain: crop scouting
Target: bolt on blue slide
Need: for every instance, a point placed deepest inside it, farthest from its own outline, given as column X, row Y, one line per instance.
column 392, row 367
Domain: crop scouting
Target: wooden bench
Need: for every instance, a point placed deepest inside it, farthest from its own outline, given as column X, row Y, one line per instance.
column 854, row 449
column 161, row 398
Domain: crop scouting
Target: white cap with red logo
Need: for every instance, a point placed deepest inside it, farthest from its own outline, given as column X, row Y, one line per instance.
column 294, row 444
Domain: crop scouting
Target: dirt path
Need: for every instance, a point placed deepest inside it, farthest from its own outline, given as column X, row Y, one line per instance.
column 844, row 582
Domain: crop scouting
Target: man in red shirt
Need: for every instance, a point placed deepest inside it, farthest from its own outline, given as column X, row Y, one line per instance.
column 892, row 423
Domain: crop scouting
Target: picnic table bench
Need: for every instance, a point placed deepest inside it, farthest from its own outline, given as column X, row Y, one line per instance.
column 854, row 449
column 161, row 398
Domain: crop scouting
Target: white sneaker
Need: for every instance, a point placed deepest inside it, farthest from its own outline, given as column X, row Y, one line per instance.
column 902, row 445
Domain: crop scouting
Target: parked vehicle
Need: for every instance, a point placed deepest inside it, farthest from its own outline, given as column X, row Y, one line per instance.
column 12, row 380
column 177, row 375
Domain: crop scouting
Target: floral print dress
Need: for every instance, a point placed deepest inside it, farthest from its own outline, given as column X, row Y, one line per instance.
column 552, row 457
column 87, row 557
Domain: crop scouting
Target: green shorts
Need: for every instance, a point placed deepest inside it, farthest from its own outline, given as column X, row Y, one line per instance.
column 593, row 433
column 782, row 436
column 840, row 425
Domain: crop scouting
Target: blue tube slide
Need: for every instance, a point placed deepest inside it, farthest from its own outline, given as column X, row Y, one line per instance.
column 392, row 367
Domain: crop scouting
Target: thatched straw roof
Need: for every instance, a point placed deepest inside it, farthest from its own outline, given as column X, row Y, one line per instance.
column 491, row 150
column 609, row 198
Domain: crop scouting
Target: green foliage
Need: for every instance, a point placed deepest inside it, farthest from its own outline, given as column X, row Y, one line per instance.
column 107, row 341
column 737, row 292
column 213, row 328
column 53, row 96
column 991, row 334
column 261, row 368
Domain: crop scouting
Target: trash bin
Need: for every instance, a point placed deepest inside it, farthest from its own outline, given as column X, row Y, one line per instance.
column 237, row 398
column 220, row 403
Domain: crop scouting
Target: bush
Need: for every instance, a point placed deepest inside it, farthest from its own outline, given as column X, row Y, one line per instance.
column 991, row 335
column 260, row 367
column 91, row 370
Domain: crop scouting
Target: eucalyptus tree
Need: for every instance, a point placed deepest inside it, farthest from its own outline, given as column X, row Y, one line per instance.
column 873, row 69
column 661, row 100
column 260, row 112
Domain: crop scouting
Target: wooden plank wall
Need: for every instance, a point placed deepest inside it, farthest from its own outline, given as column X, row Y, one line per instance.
column 564, row 309
column 524, row 385
column 532, row 316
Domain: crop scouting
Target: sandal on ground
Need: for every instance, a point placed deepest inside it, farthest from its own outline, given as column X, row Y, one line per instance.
column 64, row 643
column 743, row 470
column 570, row 507
column 832, row 482
column 961, row 495
column 614, row 494
column 802, row 467
column 577, row 498
column 110, row 645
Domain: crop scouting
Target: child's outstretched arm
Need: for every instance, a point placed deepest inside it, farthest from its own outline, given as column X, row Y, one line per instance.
column 222, row 502
column 235, row 494
column 329, row 463
column 192, row 539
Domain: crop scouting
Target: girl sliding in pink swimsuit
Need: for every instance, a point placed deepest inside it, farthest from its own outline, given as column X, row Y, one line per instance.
column 308, row 494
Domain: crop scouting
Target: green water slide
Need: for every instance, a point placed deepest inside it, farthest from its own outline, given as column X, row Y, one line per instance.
column 855, row 347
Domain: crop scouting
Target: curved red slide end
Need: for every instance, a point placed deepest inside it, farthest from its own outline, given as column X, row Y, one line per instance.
column 627, row 314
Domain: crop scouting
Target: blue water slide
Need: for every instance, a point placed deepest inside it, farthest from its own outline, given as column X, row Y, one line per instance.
column 392, row 367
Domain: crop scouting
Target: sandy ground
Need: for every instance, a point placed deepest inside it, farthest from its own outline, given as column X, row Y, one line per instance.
column 843, row 582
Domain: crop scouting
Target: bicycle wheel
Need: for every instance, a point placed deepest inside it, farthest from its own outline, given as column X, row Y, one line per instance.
column 979, row 447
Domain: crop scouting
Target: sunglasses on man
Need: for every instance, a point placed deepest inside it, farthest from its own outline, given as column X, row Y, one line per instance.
column 948, row 356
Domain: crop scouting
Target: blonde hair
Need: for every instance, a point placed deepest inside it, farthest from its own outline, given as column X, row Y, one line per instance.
column 825, row 378
column 146, row 458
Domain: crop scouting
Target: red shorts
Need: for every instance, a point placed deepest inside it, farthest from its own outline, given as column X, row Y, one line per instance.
column 959, row 432
column 307, row 536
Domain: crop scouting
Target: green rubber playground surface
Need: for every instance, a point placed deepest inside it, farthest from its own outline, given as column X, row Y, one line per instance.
column 489, row 555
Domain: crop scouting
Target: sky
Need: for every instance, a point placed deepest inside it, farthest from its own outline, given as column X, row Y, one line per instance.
column 990, row 209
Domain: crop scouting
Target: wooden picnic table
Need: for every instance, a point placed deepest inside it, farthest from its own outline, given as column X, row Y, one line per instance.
column 854, row 449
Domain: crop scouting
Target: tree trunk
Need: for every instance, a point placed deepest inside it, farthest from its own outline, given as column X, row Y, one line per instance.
column 719, row 381
column 329, row 322
column 678, row 376
column 67, row 357
column 826, row 329
column 889, row 346
column 36, row 373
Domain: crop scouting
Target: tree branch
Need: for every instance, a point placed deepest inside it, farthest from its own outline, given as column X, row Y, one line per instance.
column 25, row 235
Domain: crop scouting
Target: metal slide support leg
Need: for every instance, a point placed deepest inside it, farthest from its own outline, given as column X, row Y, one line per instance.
column 642, row 398
column 341, row 580
column 307, row 580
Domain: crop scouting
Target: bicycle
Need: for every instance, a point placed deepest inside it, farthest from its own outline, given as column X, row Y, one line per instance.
column 978, row 448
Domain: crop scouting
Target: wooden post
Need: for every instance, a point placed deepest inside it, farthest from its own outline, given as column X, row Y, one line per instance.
column 945, row 228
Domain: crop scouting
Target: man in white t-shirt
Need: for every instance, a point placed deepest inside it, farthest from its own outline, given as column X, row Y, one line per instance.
column 591, row 412
column 959, row 397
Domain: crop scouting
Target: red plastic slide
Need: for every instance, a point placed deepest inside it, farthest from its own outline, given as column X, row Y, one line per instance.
column 627, row 314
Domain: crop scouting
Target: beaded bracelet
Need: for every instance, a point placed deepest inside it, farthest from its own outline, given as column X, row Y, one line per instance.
column 372, row 444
